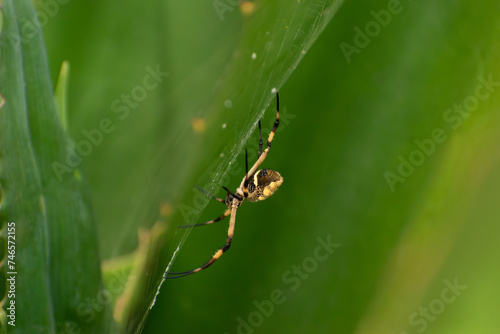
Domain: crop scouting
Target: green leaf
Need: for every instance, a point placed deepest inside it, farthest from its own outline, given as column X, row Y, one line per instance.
column 57, row 279
column 22, row 207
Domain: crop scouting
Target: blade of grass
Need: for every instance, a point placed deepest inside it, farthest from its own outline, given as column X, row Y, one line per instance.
column 66, row 256
column 22, row 204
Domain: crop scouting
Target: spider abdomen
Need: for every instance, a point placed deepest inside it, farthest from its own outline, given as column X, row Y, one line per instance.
column 263, row 184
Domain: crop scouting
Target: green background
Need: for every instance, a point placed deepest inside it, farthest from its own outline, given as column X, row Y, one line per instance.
column 346, row 122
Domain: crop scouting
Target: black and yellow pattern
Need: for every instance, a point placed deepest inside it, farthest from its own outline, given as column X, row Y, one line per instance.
column 263, row 184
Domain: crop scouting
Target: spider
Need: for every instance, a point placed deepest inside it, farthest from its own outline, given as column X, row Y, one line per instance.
column 257, row 185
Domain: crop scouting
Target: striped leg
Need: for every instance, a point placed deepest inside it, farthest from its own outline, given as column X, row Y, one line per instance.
column 275, row 127
column 260, row 140
column 264, row 154
column 218, row 254
column 209, row 194
column 273, row 131
column 245, row 185
column 226, row 213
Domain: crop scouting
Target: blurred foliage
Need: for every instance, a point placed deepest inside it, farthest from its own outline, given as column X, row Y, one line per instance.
column 390, row 90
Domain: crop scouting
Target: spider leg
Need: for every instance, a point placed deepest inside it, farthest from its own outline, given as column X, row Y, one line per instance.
column 245, row 185
column 232, row 194
column 275, row 126
column 209, row 194
column 226, row 213
column 260, row 140
column 218, row 254
column 263, row 156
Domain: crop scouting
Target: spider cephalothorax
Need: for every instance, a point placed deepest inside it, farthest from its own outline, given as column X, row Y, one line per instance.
column 257, row 185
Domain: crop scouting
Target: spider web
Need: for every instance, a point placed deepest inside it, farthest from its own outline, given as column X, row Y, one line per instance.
column 273, row 42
